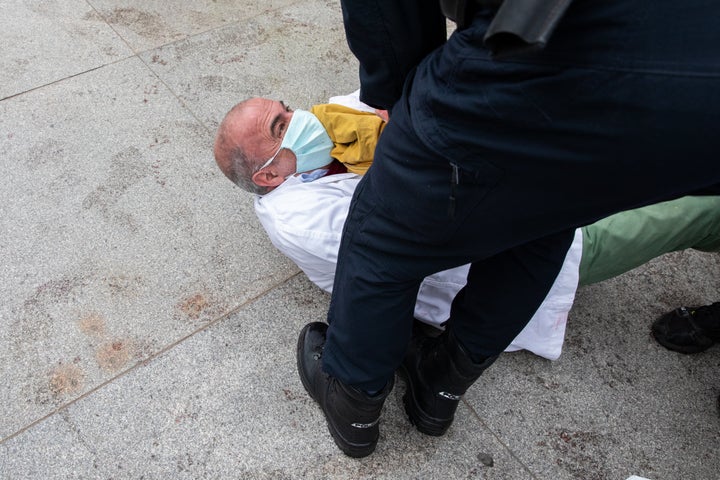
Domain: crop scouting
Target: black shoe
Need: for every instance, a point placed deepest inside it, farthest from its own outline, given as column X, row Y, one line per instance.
column 689, row 329
column 437, row 371
column 352, row 416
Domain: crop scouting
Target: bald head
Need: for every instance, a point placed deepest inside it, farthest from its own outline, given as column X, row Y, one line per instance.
column 250, row 134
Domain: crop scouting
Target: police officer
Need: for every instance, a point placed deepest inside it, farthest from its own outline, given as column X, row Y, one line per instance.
column 495, row 151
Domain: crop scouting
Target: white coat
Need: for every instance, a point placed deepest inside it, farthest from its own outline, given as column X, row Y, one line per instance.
column 305, row 222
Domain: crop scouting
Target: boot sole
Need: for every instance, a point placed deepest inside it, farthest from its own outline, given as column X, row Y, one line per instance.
column 688, row 349
column 348, row 448
column 424, row 422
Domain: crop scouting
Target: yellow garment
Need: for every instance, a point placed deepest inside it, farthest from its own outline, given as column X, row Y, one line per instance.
column 354, row 133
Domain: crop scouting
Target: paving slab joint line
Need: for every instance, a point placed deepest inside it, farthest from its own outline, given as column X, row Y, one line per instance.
column 111, row 27
column 177, row 97
column 196, row 34
column 507, row 448
column 218, row 27
column 64, row 78
column 138, row 53
column 148, row 360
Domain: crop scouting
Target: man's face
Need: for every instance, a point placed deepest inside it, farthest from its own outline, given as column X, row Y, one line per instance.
column 259, row 129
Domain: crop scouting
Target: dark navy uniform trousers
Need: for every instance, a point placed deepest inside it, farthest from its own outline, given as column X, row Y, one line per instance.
column 495, row 162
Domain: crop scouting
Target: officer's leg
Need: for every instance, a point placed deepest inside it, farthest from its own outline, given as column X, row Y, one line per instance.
column 349, row 366
column 502, row 293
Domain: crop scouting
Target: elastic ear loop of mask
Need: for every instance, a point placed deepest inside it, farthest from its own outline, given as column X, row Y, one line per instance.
column 271, row 159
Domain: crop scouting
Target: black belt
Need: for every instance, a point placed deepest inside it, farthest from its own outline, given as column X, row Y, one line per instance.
column 519, row 26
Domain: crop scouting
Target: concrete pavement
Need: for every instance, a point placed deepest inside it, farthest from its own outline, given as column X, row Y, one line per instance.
column 148, row 326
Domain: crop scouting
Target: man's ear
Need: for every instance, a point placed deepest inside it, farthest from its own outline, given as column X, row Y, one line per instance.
column 267, row 177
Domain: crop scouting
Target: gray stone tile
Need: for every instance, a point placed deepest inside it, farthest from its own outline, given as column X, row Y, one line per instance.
column 53, row 450
column 151, row 23
column 120, row 236
column 227, row 403
column 47, row 41
column 298, row 54
column 615, row 403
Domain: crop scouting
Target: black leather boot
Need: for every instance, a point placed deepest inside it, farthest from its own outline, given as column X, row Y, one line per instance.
column 438, row 371
column 352, row 415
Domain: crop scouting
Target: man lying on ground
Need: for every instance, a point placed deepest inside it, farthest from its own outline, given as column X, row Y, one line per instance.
column 304, row 191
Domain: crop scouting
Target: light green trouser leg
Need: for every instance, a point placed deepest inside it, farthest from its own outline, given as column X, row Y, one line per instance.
column 628, row 239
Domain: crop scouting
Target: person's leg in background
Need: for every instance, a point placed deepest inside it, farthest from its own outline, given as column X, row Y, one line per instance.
column 626, row 240
column 621, row 242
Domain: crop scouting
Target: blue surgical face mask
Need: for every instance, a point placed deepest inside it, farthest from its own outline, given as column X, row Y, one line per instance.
column 307, row 139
